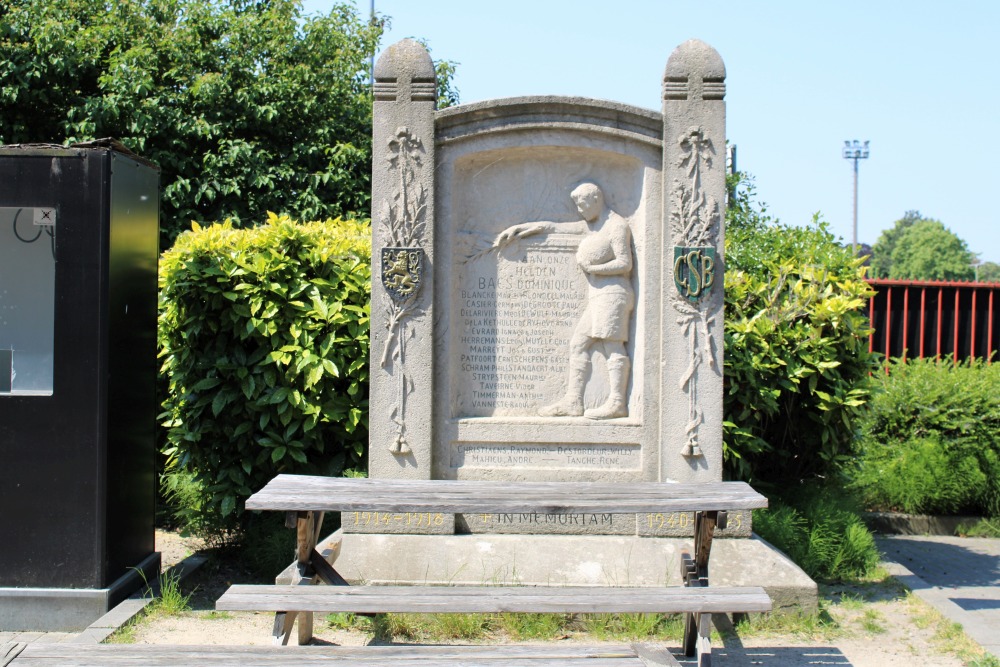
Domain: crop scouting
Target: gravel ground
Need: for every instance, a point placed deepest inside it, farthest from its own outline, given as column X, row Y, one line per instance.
column 888, row 629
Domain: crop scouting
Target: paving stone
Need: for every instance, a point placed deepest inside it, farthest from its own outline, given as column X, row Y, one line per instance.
column 960, row 577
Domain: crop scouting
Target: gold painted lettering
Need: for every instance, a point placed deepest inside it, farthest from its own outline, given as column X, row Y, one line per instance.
column 707, row 271
column 694, row 276
column 679, row 275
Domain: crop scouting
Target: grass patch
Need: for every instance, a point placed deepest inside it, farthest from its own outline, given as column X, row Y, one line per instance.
column 171, row 601
column 532, row 626
column 632, row 626
column 518, row 627
column 349, row 621
column 982, row 528
column 125, row 634
column 851, row 602
column 873, row 621
column 816, row 626
column 948, row 637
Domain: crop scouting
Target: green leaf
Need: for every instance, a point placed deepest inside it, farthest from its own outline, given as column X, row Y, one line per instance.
column 206, row 383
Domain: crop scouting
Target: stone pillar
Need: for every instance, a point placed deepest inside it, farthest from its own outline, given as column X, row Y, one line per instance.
column 402, row 263
column 694, row 182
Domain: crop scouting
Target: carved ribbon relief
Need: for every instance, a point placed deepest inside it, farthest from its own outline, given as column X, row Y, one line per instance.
column 694, row 222
column 403, row 221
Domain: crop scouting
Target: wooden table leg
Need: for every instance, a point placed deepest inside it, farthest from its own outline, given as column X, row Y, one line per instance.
column 307, row 530
column 308, row 527
column 694, row 570
column 283, row 621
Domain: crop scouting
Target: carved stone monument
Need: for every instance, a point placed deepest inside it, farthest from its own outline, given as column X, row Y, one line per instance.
column 547, row 301
column 531, row 253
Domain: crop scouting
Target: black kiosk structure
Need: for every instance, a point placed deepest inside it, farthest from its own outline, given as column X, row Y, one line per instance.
column 79, row 235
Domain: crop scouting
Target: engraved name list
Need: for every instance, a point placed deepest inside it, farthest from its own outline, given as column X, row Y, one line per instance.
column 516, row 316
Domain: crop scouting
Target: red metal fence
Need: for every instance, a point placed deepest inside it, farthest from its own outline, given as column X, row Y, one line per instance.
column 935, row 319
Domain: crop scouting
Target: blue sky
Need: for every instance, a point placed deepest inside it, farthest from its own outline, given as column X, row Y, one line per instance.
column 918, row 79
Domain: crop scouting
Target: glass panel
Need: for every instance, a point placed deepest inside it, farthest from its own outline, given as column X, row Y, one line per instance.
column 27, row 300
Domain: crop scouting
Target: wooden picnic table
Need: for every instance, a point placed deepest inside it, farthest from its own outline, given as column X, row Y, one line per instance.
column 305, row 499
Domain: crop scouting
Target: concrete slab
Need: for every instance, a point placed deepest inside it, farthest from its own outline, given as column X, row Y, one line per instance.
column 571, row 560
column 55, row 637
column 894, row 523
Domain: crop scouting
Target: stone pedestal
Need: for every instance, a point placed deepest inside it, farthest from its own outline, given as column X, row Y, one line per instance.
column 570, row 560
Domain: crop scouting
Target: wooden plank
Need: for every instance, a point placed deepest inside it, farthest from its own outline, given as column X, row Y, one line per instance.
column 653, row 656
column 704, row 528
column 9, row 651
column 152, row 655
column 304, row 492
column 282, row 629
column 704, row 640
column 304, row 622
column 308, row 525
column 471, row 599
column 325, row 571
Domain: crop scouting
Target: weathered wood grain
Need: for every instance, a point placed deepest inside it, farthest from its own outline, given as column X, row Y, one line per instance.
column 655, row 656
column 470, row 599
column 304, row 492
column 9, row 651
column 151, row 655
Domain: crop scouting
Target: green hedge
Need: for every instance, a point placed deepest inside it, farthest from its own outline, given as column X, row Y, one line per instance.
column 931, row 443
column 796, row 348
column 263, row 335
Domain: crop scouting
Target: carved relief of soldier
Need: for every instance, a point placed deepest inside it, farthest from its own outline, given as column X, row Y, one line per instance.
column 605, row 257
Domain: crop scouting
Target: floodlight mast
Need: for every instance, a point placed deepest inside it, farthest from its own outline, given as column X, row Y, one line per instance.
column 371, row 62
column 855, row 150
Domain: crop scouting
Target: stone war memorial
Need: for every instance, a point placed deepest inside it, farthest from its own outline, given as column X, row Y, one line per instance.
column 547, row 305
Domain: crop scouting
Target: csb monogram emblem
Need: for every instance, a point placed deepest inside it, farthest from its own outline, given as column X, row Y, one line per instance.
column 694, row 271
column 402, row 272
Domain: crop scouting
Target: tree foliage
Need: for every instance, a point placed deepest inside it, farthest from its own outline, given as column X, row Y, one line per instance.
column 988, row 272
column 930, row 251
column 881, row 252
column 246, row 106
column 796, row 347
column 918, row 248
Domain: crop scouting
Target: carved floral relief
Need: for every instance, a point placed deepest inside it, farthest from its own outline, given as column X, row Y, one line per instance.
column 694, row 224
column 403, row 221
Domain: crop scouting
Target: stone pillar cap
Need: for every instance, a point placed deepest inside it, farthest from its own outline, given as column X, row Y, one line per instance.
column 405, row 56
column 695, row 55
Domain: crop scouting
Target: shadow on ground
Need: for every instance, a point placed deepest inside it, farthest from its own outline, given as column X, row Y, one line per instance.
column 949, row 564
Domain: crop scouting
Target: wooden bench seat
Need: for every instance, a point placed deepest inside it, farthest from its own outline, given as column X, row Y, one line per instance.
column 152, row 655
column 484, row 599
